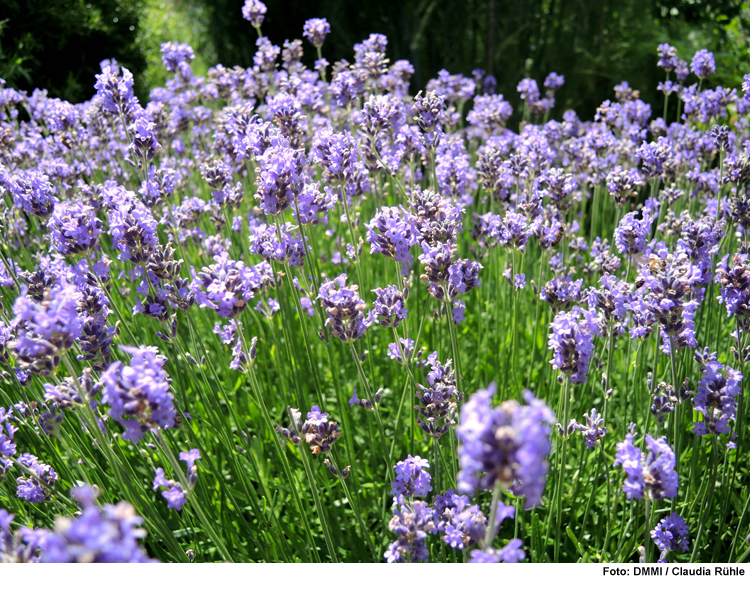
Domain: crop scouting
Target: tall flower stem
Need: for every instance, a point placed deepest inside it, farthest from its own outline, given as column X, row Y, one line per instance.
column 194, row 502
column 561, row 477
column 316, row 497
column 454, row 346
column 368, row 391
column 293, row 487
column 356, row 511
column 707, row 504
column 407, row 360
column 647, row 531
column 490, row 533
column 739, row 528
column 593, row 491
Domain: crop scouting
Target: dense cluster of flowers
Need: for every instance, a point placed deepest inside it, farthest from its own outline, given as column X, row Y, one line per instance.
column 654, row 474
column 671, row 535
column 504, row 446
column 138, row 394
column 107, row 534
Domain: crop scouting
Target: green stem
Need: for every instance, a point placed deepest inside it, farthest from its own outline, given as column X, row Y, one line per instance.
column 316, row 499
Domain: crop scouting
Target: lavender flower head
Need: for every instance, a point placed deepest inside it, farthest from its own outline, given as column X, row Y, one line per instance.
column 411, row 522
column 74, row 228
column 623, row 184
column 631, row 234
column 315, row 31
column 337, row 152
column 115, row 89
column 670, row 535
column 345, row 309
column 561, row 293
column 572, row 342
column 389, row 306
column 462, row 524
column 138, row 393
column 392, row 233
column 529, row 90
column 703, row 64
column 45, row 329
column 254, row 11
column 554, row 81
column 667, row 57
column 35, row 486
column 227, row 286
column 593, row 430
column 107, row 535
column 173, row 493
column 506, row 445
column 412, row 478
column 653, row 475
column 716, row 399
column 511, row 553
column 133, row 230
column 177, row 57
column 144, row 144
column 438, row 401
column 319, row 433
column 31, row 192
column 279, row 181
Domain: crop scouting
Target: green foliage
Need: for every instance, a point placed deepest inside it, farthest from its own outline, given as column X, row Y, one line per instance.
column 58, row 44
column 173, row 20
column 595, row 44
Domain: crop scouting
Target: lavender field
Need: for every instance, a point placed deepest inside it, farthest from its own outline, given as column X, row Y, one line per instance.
column 281, row 314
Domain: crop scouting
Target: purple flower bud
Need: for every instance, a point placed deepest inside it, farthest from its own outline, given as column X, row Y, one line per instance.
column 315, row 31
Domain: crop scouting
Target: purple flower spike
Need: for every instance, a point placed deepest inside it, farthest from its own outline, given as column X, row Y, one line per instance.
column 671, row 535
column 412, row 478
column 254, row 11
column 653, row 474
column 139, row 394
column 572, row 342
column 345, row 309
column 507, row 444
column 315, row 31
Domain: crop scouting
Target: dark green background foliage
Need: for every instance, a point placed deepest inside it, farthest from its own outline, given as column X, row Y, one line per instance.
column 58, row 44
column 595, row 44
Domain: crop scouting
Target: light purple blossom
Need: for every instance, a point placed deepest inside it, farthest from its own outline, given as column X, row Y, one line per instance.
column 506, row 445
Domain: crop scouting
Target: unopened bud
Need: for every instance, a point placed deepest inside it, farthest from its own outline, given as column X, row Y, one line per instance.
column 333, row 470
column 163, row 337
column 192, row 476
column 253, row 348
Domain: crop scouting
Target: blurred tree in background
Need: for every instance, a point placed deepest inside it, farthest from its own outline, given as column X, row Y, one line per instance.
column 595, row 44
column 58, row 44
